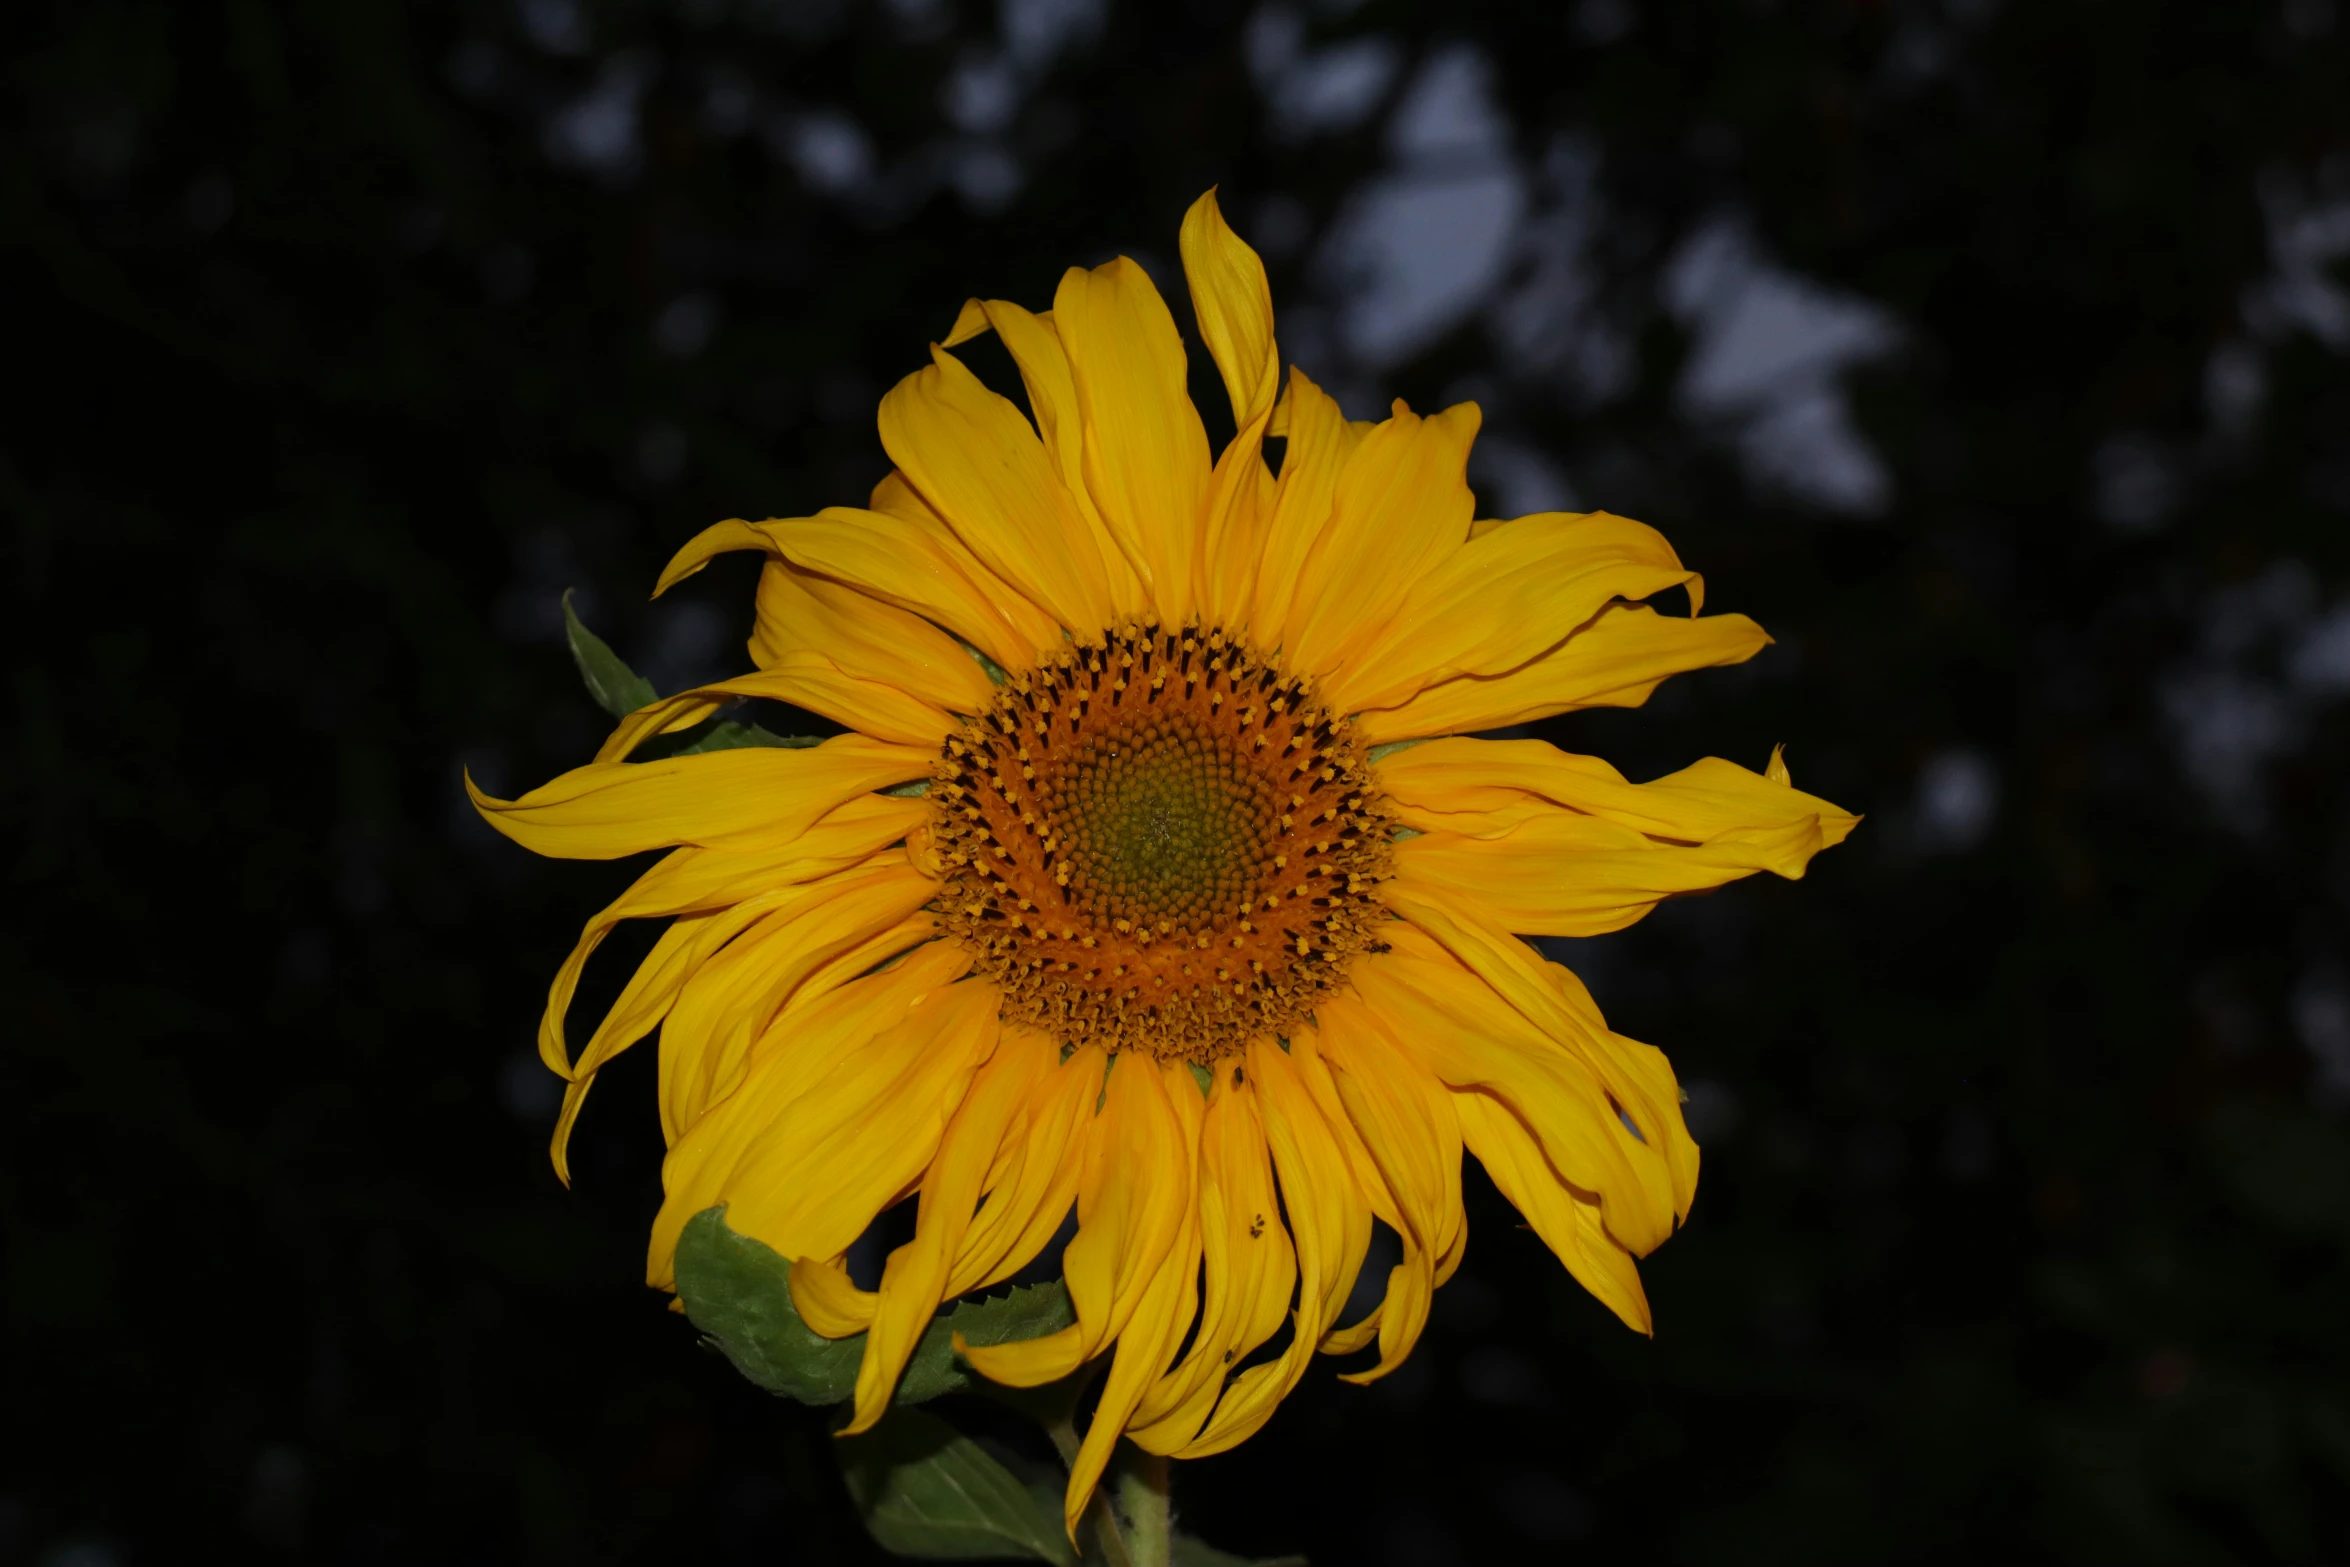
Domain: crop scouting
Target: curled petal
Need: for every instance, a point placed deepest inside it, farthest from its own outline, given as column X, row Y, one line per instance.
column 606, row 810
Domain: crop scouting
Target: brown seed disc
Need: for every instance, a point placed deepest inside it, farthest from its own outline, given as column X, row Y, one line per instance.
column 1156, row 842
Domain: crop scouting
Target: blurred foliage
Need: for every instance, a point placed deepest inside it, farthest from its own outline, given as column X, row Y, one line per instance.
column 343, row 338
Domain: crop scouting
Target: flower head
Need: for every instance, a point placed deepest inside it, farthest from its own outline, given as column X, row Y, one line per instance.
column 1200, row 915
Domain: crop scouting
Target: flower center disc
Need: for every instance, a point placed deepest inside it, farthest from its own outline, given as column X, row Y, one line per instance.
column 1156, row 842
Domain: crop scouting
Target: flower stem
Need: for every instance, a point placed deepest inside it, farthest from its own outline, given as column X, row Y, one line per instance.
column 1142, row 1503
column 1129, row 1516
column 1107, row 1536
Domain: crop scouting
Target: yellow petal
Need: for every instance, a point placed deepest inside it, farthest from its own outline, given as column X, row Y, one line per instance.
column 805, row 678
column 913, row 1282
column 800, row 611
column 1167, row 1301
column 1251, row 1267
column 1503, row 599
column 773, row 934
column 1235, row 308
column 1407, row 1122
column 1637, row 1078
column 1564, row 874
column 869, row 638
column 977, row 461
column 1036, row 349
column 1025, row 1209
column 1568, row 1224
column 737, row 985
column 828, row 1300
column 904, row 554
column 1307, row 1054
column 1616, row 660
column 1331, row 1224
column 1401, row 507
column 694, row 880
column 1321, row 442
column 1470, row 1038
column 1146, row 455
column 1446, row 784
column 805, row 1160
column 606, row 810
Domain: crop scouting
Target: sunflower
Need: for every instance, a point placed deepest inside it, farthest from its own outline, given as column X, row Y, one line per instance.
column 1155, row 875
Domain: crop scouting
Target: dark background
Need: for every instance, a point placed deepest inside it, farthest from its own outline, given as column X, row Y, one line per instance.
column 1992, row 355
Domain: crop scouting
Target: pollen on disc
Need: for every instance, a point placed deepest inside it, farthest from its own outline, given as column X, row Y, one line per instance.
column 1157, row 842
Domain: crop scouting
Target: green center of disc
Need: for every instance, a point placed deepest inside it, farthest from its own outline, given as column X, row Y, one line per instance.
column 1165, row 825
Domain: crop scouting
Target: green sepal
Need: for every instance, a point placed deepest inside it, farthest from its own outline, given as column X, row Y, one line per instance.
column 995, row 671
column 1380, row 753
column 909, row 791
column 927, row 1491
column 618, row 689
column 730, row 736
column 738, row 1292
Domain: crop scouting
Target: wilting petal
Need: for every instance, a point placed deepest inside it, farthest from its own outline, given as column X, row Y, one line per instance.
column 1330, row 1221
column 1235, row 308
column 1027, row 1204
column 696, row 880
column 904, row 554
column 1407, row 1122
column 1505, row 598
column 805, row 678
column 801, row 611
column 769, row 931
column 1446, row 785
column 1564, row 874
column 1637, row 1079
column 1568, row 1223
column 913, row 1282
column 734, row 997
column 869, row 638
column 1250, row 1265
column 1616, row 660
column 805, row 1159
column 1469, row 1037
column 1131, row 1205
column 1163, row 1313
column 606, row 810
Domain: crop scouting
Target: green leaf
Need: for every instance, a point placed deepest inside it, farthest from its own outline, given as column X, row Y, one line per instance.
column 1189, row 1552
column 929, row 1492
column 730, row 736
column 738, row 1292
column 1030, row 1311
column 618, row 689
